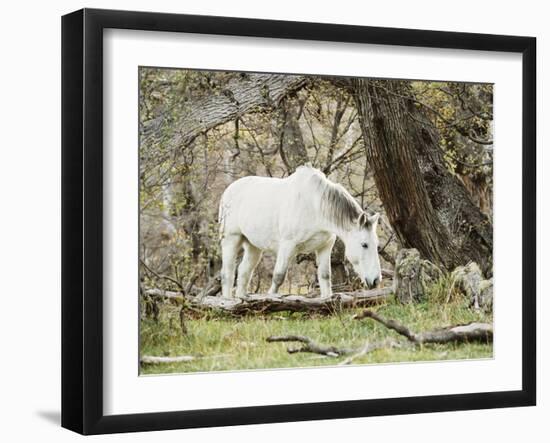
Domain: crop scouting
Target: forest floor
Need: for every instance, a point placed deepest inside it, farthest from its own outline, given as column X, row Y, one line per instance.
column 225, row 343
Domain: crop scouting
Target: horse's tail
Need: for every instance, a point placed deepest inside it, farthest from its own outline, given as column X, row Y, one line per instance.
column 228, row 202
column 222, row 214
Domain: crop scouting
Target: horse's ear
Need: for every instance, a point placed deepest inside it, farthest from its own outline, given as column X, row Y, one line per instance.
column 363, row 220
column 373, row 219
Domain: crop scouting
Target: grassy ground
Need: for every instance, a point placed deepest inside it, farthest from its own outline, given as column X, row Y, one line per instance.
column 227, row 343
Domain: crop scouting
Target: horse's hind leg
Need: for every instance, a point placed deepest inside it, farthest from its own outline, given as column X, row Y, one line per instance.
column 251, row 258
column 231, row 244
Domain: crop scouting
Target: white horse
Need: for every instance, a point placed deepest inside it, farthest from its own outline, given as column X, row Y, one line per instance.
column 302, row 213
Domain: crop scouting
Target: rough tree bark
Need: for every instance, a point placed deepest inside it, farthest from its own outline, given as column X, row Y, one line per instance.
column 292, row 148
column 428, row 207
column 243, row 94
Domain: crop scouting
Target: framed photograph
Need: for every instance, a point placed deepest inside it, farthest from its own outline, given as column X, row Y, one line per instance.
column 269, row 221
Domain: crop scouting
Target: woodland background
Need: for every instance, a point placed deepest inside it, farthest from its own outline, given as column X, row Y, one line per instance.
column 200, row 131
column 419, row 152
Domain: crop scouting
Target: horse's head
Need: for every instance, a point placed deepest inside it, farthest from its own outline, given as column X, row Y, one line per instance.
column 362, row 249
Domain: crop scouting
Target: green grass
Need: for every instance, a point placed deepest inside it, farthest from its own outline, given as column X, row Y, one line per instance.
column 228, row 344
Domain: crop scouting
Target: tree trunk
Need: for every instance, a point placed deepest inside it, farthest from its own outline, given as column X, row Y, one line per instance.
column 428, row 207
column 243, row 94
column 291, row 142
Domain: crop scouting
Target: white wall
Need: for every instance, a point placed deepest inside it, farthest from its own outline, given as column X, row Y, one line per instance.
column 30, row 223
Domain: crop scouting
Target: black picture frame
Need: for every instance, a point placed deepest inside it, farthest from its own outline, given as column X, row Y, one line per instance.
column 82, row 218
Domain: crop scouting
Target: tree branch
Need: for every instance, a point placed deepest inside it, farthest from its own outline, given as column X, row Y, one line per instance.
column 155, row 360
column 310, row 346
column 331, row 351
column 482, row 332
column 253, row 93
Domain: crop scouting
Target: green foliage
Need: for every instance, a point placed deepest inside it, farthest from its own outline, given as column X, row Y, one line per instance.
column 228, row 344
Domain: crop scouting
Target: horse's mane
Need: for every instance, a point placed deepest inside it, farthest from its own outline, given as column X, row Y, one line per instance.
column 337, row 204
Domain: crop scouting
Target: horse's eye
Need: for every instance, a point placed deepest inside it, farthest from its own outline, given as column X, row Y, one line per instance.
column 364, row 245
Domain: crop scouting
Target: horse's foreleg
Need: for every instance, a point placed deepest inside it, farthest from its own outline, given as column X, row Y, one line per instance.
column 323, row 268
column 251, row 258
column 230, row 248
column 284, row 254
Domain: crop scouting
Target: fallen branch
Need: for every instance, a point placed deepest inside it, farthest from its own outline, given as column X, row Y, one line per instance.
column 310, row 346
column 277, row 303
column 331, row 351
column 153, row 360
column 161, row 293
column 482, row 332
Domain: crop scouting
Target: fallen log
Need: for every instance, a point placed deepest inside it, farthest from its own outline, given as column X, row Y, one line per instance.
column 266, row 303
column 481, row 332
column 310, row 345
column 211, row 289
